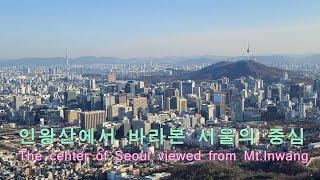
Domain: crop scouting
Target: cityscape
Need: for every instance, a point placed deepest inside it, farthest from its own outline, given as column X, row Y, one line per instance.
column 159, row 90
column 63, row 97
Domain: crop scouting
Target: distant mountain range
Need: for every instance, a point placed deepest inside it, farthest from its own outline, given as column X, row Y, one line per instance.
column 310, row 58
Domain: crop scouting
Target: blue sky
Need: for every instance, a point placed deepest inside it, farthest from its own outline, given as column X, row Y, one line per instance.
column 31, row 28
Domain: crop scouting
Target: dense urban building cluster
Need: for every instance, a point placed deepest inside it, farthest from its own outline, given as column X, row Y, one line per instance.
column 67, row 97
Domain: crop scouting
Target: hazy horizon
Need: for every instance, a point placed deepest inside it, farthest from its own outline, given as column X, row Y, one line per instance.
column 163, row 57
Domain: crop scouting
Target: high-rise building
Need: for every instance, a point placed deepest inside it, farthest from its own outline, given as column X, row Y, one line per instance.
column 117, row 112
column 170, row 92
column 108, row 101
column 121, row 99
column 194, row 103
column 208, row 111
column 130, row 87
column 276, row 92
column 205, row 96
column 72, row 115
column 219, row 101
column 92, row 84
column 316, row 85
column 183, row 106
column 197, row 91
column 53, row 71
column 70, row 97
column 95, row 101
column 139, row 103
column 272, row 112
column 187, row 87
column 123, row 131
column 302, row 110
column 174, row 103
column 17, row 102
column 237, row 106
column 91, row 119
column 177, row 85
column 159, row 101
column 297, row 91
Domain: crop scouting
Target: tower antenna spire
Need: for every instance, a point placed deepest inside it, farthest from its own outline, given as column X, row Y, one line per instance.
column 248, row 51
column 67, row 59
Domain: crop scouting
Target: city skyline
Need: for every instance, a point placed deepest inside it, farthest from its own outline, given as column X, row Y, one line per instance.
column 159, row 89
column 157, row 29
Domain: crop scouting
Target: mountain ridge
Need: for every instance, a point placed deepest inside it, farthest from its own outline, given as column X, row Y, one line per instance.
column 230, row 69
column 238, row 69
column 179, row 60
